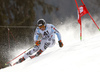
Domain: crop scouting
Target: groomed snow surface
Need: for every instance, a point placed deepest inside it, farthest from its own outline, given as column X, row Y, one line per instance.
column 75, row 56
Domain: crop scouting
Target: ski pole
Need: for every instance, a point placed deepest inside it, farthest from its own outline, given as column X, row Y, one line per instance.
column 18, row 55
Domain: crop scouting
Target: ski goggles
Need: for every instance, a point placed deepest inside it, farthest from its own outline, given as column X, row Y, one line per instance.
column 41, row 26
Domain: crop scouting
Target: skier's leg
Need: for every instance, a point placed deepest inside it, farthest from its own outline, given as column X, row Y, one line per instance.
column 26, row 55
column 52, row 42
column 31, row 52
column 43, row 46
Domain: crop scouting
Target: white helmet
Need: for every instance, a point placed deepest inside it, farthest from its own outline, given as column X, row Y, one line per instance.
column 41, row 22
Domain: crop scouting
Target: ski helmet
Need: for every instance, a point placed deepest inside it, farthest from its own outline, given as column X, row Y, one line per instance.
column 41, row 22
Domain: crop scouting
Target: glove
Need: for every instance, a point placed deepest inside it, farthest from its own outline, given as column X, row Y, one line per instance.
column 37, row 43
column 60, row 43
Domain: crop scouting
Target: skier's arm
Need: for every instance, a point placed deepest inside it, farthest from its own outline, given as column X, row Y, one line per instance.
column 56, row 32
column 58, row 35
column 36, row 35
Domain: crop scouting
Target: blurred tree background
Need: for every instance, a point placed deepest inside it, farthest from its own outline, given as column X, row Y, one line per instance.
column 18, row 16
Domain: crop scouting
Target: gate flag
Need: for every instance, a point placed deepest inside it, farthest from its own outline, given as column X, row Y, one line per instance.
column 82, row 10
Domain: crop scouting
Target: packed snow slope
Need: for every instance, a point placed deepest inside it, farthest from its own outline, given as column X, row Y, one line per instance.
column 75, row 56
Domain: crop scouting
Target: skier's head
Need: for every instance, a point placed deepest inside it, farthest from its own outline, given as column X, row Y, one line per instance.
column 41, row 24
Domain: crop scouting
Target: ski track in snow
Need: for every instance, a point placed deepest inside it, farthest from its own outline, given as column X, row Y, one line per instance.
column 78, row 56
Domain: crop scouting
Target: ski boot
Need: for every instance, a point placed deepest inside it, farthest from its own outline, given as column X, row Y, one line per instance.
column 37, row 54
column 19, row 61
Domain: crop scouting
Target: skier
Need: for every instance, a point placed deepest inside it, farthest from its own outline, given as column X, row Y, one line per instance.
column 48, row 32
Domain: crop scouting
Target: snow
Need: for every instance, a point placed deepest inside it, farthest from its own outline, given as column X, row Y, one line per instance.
column 75, row 56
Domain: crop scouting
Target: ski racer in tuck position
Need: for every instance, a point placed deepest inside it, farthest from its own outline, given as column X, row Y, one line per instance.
column 48, row 32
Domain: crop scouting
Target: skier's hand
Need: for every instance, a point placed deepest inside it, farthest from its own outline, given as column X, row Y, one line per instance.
column 60, row 43
column 37, row 43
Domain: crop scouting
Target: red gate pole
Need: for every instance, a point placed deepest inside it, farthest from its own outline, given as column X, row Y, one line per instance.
column 82, row 2
column 94, row 21
column 80, row 31
column 80, row 21
column 91, row 17
column 76, row 4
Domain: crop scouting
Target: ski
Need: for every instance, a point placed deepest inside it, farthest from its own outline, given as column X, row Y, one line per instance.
column 19, row 62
